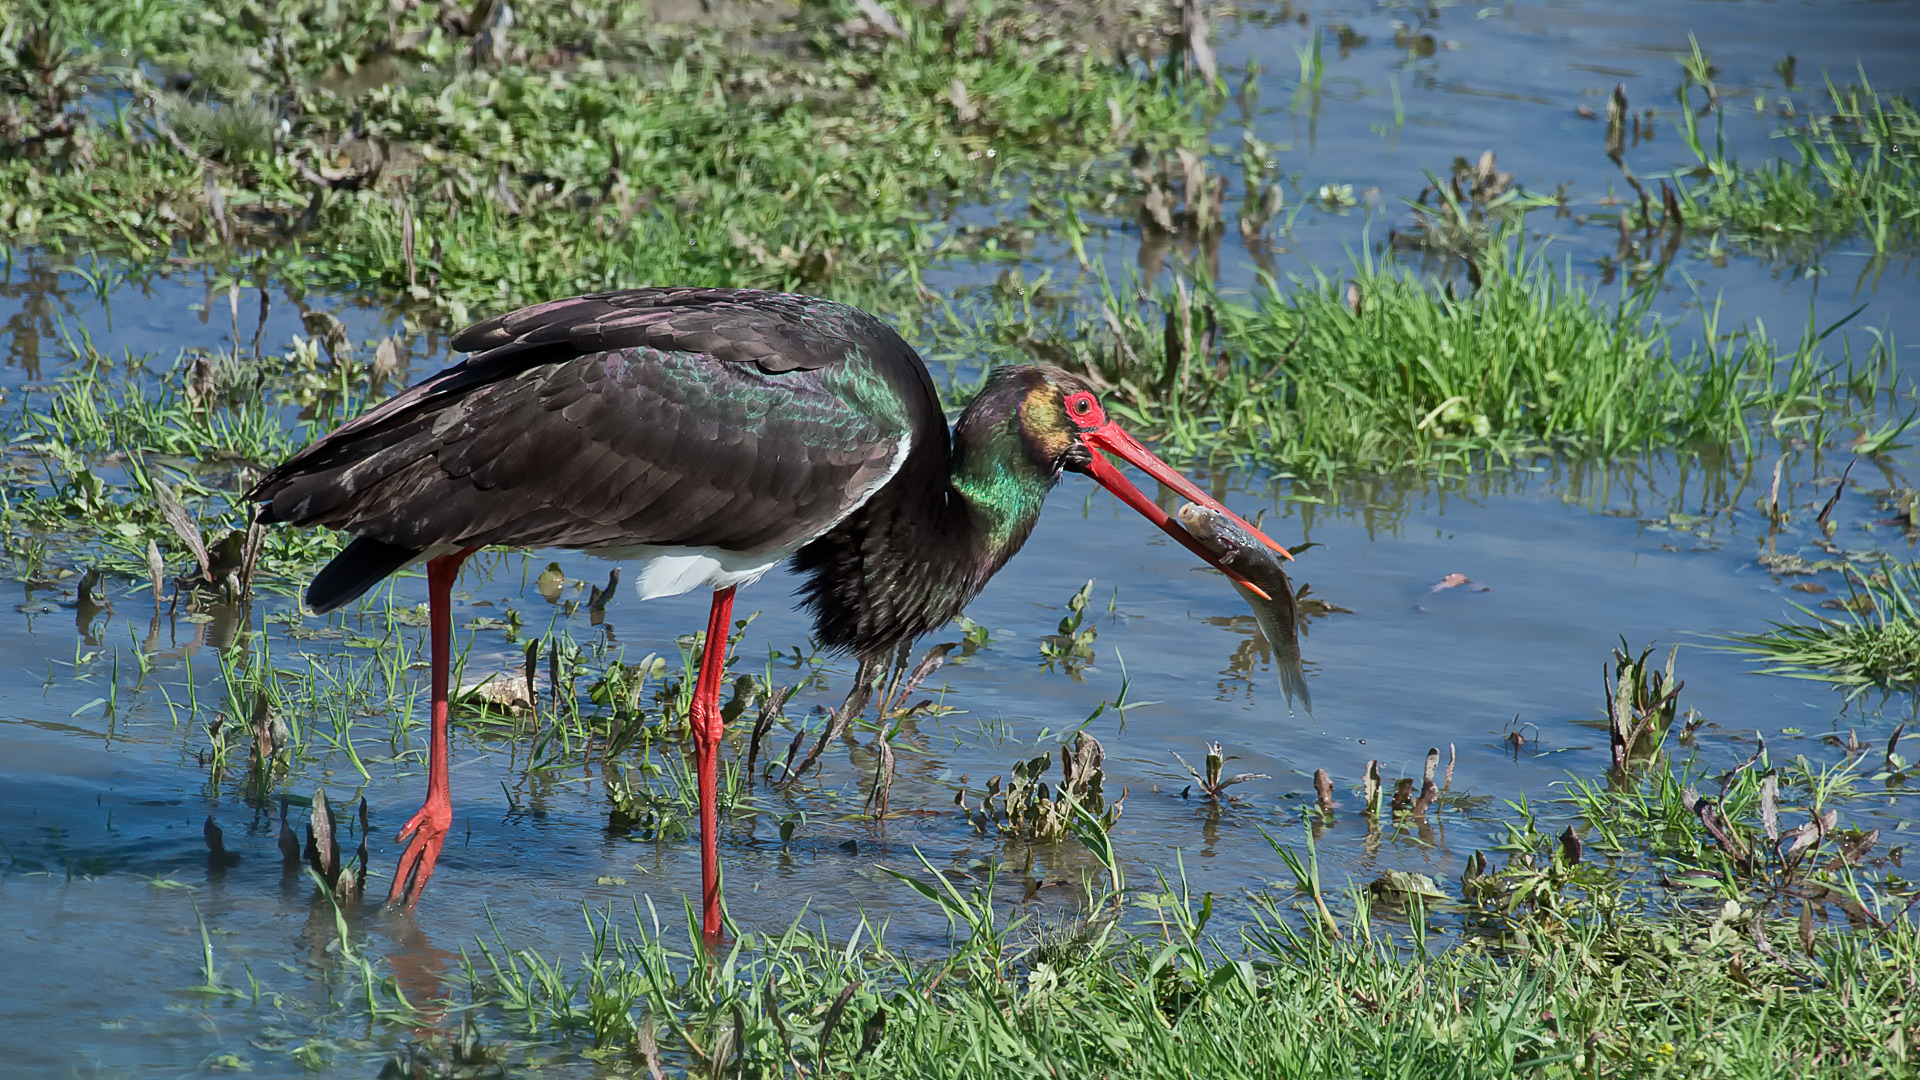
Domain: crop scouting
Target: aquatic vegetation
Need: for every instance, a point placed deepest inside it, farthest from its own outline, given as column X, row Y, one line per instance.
column 1692, row 911
column 1471, row 209
column 1382, row 369
column 122, row 455
column 1395, row 372
column 1853, row 171
column 1673, row 918
column 1562, row 966
column 1642, row 703
column 1213, row 784
column 1071, row 645
column 1031, row 810
column 1875, row 643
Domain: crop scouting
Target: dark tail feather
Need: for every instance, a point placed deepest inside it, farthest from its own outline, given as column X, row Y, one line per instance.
column 362, row 565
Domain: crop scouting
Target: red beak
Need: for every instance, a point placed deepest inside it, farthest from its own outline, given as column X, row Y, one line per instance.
column 1108, row 436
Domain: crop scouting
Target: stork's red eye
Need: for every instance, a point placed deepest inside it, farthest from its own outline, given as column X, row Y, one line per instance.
column 1085, row 410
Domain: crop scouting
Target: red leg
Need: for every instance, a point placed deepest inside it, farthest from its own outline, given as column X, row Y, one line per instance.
column 428, row 828
column 707, row 730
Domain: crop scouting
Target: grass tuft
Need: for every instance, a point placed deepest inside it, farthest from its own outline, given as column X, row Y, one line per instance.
column 1876, row 644
column 1857, row 173
column 1385, row 369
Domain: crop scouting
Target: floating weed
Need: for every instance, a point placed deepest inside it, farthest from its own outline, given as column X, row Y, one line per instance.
column 1071, row 645
column 1031, row 810
column 209, row 974
column 1468, row 214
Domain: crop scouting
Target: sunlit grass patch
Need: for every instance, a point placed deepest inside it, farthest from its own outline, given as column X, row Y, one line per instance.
column 1562, row 963
column 585, row 148
column 1385, row 369
column 1580, row 994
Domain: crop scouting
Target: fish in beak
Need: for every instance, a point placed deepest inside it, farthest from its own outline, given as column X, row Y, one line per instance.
column 1103, row 436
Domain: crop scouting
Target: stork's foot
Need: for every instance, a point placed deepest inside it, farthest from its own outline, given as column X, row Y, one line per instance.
column 428, row 828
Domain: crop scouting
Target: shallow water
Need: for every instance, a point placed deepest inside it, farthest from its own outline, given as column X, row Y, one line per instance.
column 1510, row 79
column 102, row 801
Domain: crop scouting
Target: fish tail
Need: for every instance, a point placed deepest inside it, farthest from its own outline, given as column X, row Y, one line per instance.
column 1293, row 681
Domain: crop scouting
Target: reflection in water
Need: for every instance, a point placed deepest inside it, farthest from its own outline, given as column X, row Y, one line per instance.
column 418, row 965
column 33, row 293
column 1706, row 483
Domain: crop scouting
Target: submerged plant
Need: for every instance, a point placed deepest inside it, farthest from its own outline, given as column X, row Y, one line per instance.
column 1213, row 783
column 1031, row 810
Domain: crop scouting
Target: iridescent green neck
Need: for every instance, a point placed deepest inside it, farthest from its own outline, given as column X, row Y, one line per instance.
column 916, row 552
column 1002, row 489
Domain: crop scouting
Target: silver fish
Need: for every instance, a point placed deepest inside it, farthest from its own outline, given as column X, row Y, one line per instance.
column 1277, row 614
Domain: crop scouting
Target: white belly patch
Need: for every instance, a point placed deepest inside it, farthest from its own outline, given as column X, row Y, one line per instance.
column 667, row 570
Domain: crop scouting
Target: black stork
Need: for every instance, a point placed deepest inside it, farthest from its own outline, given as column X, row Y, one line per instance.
column 710, row 434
